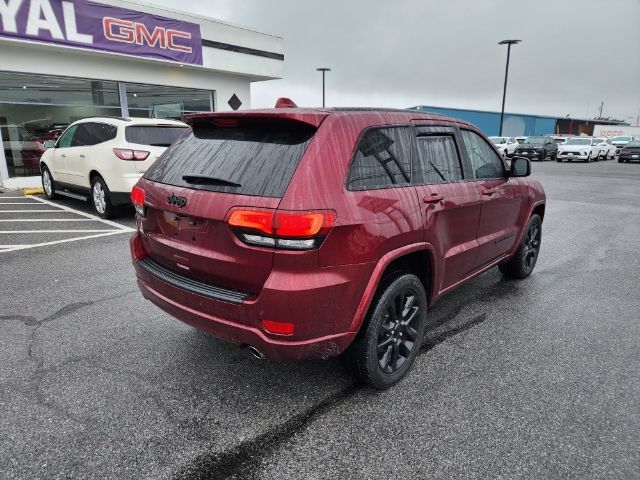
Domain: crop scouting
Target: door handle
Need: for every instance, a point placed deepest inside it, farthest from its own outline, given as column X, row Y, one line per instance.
column 487, row 192
column 63, row 156
column 82, row 156
column 433, row 198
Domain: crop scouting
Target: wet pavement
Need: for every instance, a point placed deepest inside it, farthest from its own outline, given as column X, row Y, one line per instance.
column 531, row 379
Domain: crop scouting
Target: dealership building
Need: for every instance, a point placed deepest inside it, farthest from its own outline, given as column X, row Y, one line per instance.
column 61, row 61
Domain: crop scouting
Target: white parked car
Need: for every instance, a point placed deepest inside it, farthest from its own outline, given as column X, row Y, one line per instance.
column 103, row 158
column 505, row 145
column 607, row 149
column 579, row 148
column 620, row 142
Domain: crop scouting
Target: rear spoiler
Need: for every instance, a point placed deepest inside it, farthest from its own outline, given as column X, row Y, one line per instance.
column 308, row 116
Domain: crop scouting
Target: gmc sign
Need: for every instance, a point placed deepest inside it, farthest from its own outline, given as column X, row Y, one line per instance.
column 88, row 25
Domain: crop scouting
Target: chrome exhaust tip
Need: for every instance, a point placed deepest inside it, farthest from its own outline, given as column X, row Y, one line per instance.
column 255, row 352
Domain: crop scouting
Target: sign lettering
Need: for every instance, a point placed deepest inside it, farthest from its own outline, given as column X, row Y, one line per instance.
column 88, row 25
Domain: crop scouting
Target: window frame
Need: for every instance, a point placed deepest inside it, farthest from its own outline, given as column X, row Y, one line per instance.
column 470, row 173
column 354, row 153
column 437, row 131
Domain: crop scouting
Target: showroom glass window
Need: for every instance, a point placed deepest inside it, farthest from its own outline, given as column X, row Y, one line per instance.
column 36, row 108
column 156, row 101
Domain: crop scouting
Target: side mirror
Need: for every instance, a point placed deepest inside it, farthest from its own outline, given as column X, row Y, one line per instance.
column 520, row 167
column 49, row 143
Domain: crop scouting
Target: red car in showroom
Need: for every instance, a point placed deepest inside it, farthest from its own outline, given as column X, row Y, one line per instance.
column 310, row 233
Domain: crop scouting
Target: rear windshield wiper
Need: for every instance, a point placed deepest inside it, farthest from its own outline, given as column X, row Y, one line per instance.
column 209, row 180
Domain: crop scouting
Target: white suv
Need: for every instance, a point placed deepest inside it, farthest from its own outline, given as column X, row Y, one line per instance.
column 505, row 145
column 585, row 149
column 103, row 158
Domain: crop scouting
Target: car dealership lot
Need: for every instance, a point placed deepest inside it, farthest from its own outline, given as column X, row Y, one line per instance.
column 531, row 379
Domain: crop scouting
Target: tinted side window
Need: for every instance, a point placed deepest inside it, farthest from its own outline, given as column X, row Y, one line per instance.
column 382, row 159
column 484, row 160
column 89, row 134
column 66, row 139
column 438, row 160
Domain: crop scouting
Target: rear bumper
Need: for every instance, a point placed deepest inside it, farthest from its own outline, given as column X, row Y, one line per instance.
column 243, row 335
column 120, row 188
column 321, row 304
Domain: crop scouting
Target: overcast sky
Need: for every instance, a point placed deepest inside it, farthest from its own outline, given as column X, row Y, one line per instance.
column 574, row 53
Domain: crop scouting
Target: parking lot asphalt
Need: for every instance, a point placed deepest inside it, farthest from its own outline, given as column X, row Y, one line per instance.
column 532, row 379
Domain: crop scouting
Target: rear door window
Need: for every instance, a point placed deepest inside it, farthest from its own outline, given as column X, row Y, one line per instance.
column 154, row 135
column 382, row 159
column 89, row 134
column 249, row 158
column 438, row 160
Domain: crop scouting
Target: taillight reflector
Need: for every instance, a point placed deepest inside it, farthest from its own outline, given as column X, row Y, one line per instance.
column 282, row 229
column 261, row 221
column 302, row 224
column 278, row 328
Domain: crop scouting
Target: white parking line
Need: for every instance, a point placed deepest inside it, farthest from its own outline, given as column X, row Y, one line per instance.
column 47, row 220
column 60, row 209
column 20, row 203
column 32, row 211
column 108, row 222
column 24, row 247
column 2, row 232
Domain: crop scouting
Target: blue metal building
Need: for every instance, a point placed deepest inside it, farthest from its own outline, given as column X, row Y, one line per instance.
column 515, row 124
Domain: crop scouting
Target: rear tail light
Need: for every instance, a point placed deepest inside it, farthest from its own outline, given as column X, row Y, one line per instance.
column 137, row 198
column 279, row 229
column 131, row 155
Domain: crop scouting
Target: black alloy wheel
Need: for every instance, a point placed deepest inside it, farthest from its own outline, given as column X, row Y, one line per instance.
column 392, row 334
column 531, row 247
column 523, row 262
column 398, row 331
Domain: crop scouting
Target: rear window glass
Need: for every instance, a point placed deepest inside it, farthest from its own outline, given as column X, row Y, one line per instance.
column 252, row 158
column 154, row 135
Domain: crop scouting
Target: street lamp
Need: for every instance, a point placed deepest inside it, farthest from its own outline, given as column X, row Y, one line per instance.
column 508, row 43
column 323, row 70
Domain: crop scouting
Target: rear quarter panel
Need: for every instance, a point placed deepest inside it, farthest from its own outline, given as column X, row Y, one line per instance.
column 368, row 223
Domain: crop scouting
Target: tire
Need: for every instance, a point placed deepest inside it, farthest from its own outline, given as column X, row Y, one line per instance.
column 620, row 160
column 543, row 156
column 101, row 198
column 588, row 160
column 554, row 156
column 48, row 183
column 523, row 262
column 559, row 160
column 400, row 334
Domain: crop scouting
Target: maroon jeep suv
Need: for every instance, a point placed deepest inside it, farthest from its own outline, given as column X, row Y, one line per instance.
column 310, row 233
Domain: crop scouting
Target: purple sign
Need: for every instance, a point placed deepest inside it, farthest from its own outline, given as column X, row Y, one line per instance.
column 89, row 25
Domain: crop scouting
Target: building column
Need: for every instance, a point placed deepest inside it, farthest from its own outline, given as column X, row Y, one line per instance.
column 124, row 103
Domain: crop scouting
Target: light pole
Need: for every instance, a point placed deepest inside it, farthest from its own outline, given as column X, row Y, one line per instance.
column 508, row 43
column 323, row 70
